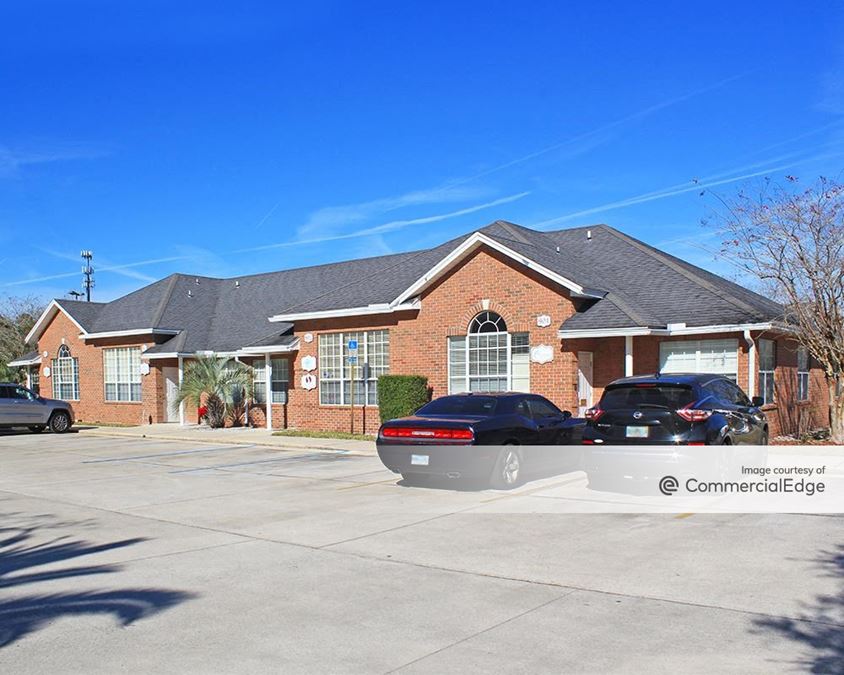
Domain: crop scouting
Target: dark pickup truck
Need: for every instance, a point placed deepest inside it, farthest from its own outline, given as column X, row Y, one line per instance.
column 500, row 437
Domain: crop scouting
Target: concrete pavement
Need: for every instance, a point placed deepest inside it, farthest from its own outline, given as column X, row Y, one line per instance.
column 139, row 555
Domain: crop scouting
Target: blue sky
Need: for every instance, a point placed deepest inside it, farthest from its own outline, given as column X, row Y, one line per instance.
column 224, row 140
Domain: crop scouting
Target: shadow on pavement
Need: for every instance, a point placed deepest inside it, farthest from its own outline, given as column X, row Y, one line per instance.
column 22, row 563
column 820, row 627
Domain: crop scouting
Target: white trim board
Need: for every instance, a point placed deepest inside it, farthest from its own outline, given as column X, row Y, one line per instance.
column 133, row 331
column 382, row 308
column 675, row 329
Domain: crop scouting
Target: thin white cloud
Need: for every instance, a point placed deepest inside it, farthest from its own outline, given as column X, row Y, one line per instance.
column 328, row 221
column 112, row 268
column 12, row 160
column 683, row 188
column 590, row 139
column 389, row 227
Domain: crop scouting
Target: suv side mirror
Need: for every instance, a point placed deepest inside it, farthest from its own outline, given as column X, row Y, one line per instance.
column 757, row 401
column 566, row 414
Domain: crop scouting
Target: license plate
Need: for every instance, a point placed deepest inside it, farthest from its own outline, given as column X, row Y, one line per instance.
column 419, row 460
column 637, row 432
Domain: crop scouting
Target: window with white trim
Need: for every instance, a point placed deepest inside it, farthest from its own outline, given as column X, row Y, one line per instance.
column 336, row 373
column 488, row 357
column 65, row 374
column 719, row 357
column 279, row 380
column 802, row 374
column 35, row 379
column 767, row 367
column 122, row 373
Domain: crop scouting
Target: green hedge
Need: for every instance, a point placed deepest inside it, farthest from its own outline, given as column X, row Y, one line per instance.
column 401, row 395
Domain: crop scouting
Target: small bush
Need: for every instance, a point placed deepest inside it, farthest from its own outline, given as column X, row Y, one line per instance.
column 401, row 395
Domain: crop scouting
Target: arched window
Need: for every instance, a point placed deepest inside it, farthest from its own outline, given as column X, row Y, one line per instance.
column 65, row 375
column 488, row 358
column 487, row 322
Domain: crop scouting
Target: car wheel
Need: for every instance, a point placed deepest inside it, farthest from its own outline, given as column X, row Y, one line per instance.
column 36, row 429
column 59, row 422
column 764, row 439
column 507, row 473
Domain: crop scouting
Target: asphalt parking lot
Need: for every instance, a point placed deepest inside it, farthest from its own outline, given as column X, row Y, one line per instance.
column 131, row 555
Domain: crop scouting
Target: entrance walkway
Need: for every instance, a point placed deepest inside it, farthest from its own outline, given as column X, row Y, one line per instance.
column 202, row 434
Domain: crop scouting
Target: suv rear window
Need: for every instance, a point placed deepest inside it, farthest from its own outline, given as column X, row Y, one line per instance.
column 460, row 405
column 627, row 396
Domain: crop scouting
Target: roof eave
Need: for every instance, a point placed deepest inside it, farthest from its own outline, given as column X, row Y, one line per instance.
column 668, row 330
column 46, row 316
column 381, row 308
column 22, row 363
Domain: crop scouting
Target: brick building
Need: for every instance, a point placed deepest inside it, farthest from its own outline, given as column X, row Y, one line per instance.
column 557, row 313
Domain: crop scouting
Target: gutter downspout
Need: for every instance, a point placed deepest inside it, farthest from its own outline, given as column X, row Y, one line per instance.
column 751, row 363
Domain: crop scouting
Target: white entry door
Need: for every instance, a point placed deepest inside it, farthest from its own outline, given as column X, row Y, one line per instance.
column 171, row 390
column 584, row 382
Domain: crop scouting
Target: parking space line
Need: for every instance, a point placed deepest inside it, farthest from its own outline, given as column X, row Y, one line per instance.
column 257, row 461
column 167, row 454
column 375, row 482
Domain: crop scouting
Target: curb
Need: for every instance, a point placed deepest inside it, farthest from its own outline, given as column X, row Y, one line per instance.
column 279, row 446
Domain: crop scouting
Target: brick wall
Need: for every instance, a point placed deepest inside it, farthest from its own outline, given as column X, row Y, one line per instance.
column 92, row 406
column 418, row 339
column 786, row 414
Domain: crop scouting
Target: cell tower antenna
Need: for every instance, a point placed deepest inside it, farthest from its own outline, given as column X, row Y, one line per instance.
column 87, row 273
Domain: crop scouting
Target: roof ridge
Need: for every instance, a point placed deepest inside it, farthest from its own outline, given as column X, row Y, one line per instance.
column 513, row 229
column 165, row 300
column 667, row 259
column 617, row 300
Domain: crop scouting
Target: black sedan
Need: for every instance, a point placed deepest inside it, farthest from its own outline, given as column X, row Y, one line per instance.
column 682, row 409
column 460, row 436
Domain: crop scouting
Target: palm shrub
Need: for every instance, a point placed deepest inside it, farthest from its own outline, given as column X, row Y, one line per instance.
column 217, row 383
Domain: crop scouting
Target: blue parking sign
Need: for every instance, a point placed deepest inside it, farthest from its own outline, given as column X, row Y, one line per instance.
column 353, row 345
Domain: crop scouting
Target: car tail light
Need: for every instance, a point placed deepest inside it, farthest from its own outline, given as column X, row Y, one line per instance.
column 593, row 414
column 693, row 414
column 432, row 433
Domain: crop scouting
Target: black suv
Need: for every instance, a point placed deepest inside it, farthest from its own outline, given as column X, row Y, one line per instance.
column 678, row 409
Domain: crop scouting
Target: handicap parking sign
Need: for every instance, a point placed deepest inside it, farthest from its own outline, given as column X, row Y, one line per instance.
column 353, row 345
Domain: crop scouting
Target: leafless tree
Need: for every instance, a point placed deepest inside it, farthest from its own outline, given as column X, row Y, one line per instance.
column 792, row 240
column 17, row 316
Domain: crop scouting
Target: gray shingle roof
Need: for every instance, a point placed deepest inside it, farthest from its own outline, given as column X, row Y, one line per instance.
column 85, row 313
column 659, row 287
column 637, row 284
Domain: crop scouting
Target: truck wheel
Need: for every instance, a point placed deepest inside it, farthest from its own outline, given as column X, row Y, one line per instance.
column 59, row 422
column 507, row 472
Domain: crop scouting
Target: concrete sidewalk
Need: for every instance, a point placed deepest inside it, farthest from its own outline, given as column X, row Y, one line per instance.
column 194, row 433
